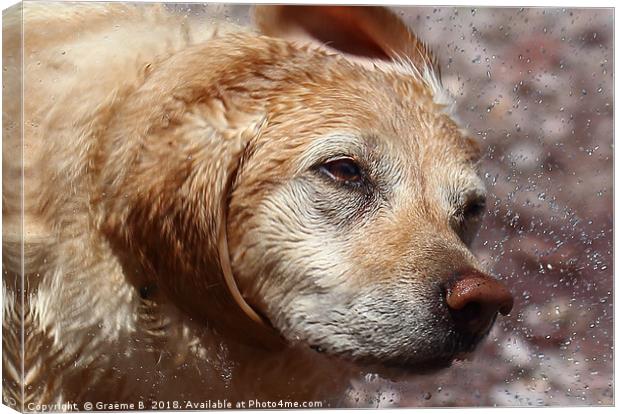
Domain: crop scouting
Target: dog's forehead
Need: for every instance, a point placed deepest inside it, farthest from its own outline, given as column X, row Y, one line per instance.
column 406, row 112
column 329, row 106
column 410, row 129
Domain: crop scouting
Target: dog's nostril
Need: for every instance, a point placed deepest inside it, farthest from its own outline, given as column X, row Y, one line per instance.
column 470, row 312
column 475, row 299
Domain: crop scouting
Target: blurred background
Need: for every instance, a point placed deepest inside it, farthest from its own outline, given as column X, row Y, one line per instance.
column 534, row 85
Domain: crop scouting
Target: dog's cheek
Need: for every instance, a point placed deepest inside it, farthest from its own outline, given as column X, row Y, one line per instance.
column 286, row 250
column 298, row 269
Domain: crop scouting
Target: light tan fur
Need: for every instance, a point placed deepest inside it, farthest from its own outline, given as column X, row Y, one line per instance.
column 135, row 120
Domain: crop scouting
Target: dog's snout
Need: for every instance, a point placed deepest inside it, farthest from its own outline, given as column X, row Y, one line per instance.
column 474, row 300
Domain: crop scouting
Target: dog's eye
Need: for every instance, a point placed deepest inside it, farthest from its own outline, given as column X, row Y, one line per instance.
column 343, row 170
column 468, row 218
column 474, row 208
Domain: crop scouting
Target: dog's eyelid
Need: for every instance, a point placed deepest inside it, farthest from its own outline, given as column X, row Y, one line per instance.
column 355, row 155
column 340, row 157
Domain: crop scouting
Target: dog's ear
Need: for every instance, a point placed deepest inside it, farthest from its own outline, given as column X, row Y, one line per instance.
column 358, row 32
column 169, row 164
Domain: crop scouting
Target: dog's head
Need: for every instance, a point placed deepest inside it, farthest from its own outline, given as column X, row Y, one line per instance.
column 329, row 164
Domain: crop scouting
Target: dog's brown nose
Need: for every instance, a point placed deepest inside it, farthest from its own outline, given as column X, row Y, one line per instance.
column 474, row 299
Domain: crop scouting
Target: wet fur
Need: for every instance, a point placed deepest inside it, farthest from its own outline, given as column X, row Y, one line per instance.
column 124, row 160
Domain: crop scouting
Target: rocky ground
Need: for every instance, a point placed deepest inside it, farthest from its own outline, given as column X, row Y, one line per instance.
column 535, row 87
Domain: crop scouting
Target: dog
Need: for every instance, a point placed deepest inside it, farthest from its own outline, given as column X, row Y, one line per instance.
column 212, row 211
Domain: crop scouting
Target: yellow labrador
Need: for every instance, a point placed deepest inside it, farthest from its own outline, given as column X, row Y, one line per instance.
column 216, row 212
